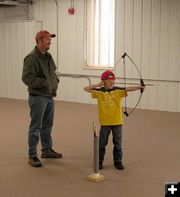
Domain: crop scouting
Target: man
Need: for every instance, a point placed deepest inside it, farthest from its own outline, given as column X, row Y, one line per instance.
column 40, row 77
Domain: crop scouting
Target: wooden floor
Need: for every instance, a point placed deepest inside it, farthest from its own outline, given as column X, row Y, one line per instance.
column 151, row 146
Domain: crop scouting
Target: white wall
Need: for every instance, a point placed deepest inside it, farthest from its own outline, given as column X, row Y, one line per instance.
column 16, row 38
column 148, row 30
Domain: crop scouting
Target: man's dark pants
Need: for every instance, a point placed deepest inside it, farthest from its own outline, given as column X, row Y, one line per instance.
column 42, row 115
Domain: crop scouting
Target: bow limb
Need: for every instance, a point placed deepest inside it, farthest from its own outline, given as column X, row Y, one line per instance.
column 141, row 82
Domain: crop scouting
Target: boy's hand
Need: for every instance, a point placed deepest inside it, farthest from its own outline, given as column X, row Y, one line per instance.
column 91, row 87
column 101, row 84
column 142, row 88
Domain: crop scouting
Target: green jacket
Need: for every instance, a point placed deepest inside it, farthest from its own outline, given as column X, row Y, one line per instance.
column 39, row 74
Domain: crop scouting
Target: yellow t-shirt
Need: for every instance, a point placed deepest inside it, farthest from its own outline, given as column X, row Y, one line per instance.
column 109, row 105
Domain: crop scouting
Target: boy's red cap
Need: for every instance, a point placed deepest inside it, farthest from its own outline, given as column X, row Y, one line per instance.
column 43, row 34
column 107, row 75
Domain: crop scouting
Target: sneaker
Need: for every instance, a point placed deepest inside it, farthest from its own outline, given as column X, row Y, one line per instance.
column 119, row 165
column 50, row 153
column 34, row 161
column 100, row 165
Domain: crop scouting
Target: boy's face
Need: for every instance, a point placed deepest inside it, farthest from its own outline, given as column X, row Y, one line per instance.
column 109, row 84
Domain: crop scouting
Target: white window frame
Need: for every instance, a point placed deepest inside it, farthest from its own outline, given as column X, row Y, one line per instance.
column 100, row 46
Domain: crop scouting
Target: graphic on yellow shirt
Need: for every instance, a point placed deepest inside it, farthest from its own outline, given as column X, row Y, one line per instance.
column 109, row 105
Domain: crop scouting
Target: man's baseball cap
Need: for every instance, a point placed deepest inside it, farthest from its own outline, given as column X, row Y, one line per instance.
column 43, row 34
column 107, row 75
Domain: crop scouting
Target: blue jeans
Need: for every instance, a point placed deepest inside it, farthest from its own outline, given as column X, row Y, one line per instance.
column 42, row 115
column 117, row 141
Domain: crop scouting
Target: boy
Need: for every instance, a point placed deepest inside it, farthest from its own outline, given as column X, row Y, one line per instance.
column 110, row 114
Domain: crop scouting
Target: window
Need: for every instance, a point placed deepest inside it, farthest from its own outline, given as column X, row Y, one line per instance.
column 100, row 24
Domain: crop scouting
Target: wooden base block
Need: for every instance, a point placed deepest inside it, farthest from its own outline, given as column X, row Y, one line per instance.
column 96, row 177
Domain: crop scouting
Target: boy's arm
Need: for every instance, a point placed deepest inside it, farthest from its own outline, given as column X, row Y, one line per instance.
column 134, row 88
column 91, row 87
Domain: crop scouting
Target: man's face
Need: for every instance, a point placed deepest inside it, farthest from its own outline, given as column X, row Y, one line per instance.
column 109, row 84
column 45, row 43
